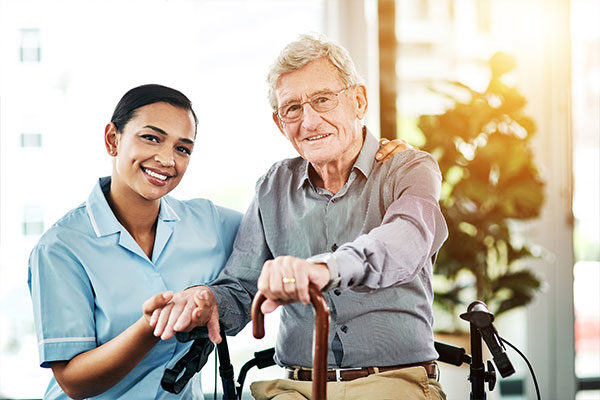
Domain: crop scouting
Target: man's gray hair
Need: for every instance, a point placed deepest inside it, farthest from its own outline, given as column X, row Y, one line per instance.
column 308, row 48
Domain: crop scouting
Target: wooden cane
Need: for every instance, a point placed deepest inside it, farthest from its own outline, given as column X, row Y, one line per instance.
column 319, row 386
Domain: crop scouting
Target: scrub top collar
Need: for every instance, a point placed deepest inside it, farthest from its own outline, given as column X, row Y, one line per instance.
column 104, row 220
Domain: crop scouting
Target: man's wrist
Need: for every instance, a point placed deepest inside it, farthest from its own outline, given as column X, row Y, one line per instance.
column 334, row 273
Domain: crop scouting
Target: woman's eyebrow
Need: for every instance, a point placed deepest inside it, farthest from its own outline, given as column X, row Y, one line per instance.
column 162, row 132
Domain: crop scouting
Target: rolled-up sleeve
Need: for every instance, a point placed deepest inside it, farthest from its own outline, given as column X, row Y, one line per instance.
column 411, row 233
column 63, row 303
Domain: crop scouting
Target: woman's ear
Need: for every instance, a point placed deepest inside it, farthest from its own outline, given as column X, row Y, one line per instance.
column 360, row 100
column 111, row 139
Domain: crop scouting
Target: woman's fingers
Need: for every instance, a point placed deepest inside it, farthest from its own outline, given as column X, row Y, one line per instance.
column 389, row 148
column 152, row 307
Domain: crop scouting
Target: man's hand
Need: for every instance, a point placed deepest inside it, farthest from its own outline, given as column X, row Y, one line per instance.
column 285, row 280
column 207, row 313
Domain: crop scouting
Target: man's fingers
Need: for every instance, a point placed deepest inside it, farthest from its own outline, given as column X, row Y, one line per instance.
column 154, row 317
column 214, row 330
column 204, row 305
column 176, row 311
column 302, row 288
column 276, row 285
column 269, row 306
column 162, row 320
column 185, row 318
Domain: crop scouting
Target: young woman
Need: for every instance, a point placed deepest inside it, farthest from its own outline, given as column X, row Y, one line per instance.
column 93, row 269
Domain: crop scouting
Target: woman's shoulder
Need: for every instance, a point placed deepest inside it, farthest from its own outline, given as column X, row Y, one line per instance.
column 68, row 227
column 202, row 208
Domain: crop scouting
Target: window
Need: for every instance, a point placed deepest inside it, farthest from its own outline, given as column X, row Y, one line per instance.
column 30, row 45
column 31, row 140
column 33, row 221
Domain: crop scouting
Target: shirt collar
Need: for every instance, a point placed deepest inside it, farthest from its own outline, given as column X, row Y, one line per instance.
column 364, row 162
column 102, row 217
column 366, row 157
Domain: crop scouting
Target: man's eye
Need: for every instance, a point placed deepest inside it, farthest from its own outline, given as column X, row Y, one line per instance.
column 151, row 138
column 185, row 150
column 292, row 108
column 322, row 100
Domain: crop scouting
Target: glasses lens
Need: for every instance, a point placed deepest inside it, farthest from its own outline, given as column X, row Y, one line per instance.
column 324, row 102
column 290, row 111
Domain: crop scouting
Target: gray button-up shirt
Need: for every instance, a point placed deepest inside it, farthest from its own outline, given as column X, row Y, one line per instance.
column 384, row 228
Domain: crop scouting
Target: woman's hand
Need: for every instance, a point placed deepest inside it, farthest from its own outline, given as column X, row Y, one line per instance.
column 152, row 307
column 390, row 147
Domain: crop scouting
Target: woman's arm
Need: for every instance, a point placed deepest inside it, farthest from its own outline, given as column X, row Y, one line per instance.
column 93, row 372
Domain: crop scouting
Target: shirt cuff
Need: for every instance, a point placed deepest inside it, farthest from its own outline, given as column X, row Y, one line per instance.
column 63, row 349
column 352, row 273
column 334, row 272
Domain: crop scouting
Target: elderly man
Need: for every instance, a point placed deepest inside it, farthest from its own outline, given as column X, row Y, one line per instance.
column 365, row 233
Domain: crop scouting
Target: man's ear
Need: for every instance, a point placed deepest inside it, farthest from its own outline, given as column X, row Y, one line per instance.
column 279, row 124
column 111, row 139
column 360, row 100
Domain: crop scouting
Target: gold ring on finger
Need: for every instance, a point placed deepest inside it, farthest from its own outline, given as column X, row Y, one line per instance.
column 289, row 280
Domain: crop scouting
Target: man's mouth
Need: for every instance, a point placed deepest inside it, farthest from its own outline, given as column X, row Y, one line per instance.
column 318, row 137
column 155, row 174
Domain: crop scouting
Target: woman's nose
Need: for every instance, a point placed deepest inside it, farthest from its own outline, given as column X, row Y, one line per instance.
column 165, row 158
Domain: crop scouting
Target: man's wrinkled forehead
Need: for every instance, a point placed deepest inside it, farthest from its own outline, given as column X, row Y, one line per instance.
column 315, row 77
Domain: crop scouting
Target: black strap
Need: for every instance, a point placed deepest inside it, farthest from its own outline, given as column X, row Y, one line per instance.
column 192, row 362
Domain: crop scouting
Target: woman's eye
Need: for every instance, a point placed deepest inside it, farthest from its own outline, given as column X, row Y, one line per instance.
column 184, row 150
column 151, row 138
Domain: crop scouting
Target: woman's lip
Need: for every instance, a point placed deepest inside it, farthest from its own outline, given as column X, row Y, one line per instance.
column 158, row 171
column 154, row 180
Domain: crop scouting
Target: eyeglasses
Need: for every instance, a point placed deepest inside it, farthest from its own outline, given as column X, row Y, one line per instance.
column 320, row 102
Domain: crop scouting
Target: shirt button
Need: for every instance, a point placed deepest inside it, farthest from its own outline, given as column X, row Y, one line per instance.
column 344, row 328
column 337, row 292
column 334, row 247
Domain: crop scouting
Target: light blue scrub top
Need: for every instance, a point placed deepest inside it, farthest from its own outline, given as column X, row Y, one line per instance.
column 89, row 278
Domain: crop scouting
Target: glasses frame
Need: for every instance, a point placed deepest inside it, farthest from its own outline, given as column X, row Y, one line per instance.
column 309, row 101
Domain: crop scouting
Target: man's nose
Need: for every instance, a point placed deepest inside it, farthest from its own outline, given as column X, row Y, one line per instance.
column 165, row 157
column 310, row 117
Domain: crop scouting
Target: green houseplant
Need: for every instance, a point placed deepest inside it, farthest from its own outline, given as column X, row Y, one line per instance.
column 490, row 183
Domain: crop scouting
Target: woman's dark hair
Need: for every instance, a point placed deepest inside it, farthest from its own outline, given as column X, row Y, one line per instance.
column 149, row 94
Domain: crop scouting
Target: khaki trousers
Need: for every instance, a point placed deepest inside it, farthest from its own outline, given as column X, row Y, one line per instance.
column 406, row 383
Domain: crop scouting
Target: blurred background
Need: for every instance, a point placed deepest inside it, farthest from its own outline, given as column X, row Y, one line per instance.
column 504, row 93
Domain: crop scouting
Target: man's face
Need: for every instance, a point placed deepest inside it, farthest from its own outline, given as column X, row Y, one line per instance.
column 322, row 137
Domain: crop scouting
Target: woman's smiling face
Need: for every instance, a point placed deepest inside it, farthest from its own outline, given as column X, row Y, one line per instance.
column 152, row 151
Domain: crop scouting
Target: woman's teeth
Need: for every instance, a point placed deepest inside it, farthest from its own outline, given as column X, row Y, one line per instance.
column 318, row 137
column 155, row 175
